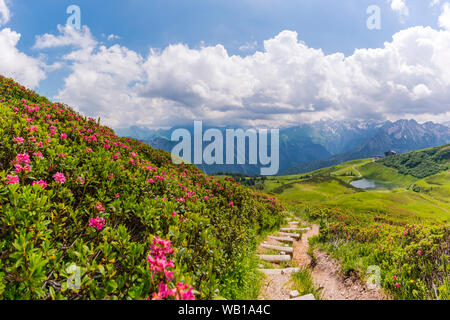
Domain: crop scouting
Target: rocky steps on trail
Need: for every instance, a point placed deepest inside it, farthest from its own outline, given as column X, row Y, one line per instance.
column 325, row 272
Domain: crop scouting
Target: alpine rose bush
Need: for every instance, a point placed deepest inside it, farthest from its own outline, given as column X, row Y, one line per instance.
column 103, row 203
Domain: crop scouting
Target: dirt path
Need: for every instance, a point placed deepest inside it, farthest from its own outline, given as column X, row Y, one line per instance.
column 301, row 256
column 326, row 274
column 359, row 173
column 276, row 287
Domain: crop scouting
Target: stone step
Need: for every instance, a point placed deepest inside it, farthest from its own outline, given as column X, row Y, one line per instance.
column 283, row 239
column 274, row 258
column 290, row 235
column 309, row 296
column 277, row 248
column 294, row 229
column 293, row 222
column 279, row 271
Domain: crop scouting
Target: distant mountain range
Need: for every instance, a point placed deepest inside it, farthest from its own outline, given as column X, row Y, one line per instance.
column 308, row 147
column 290, row 143
column 401, row 136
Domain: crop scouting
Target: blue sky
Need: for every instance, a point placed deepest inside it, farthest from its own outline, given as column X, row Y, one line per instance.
column 241, row 27
column 327, row 24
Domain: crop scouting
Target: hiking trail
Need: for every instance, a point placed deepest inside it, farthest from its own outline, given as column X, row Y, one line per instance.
column 289, row 254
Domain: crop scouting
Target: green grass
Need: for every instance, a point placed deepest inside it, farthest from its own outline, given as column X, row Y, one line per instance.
column 398, row 200
column 85, row 173
column 399, row 204
column 310, row 189
column 359, row 226
column 303, row 282
column 245, row 282
column 437, row 186
column 378, row 172
column 420, row 163
column 350, row 168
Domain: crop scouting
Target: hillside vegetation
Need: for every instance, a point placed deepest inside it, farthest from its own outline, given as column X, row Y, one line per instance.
column 420, row 164
column 402, row 228
column 79, row 203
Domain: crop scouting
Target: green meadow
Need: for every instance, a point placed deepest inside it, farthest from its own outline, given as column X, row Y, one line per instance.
column 401, row 225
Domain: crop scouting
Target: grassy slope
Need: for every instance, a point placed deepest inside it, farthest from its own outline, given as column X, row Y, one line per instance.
column 399, row 202
column 358, row 226
column 421, row 163
column 138, row 192
column 376, row 171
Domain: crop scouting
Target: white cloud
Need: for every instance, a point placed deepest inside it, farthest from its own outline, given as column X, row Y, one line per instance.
column 5, row 14
column 400, row 7
column 13, row 63
column 113, row 37
column 420, row 91
column 82, row 40
column 249, row 46
column 444, row 18
column 101, row 84
column 435, row 3
column 102, row 78
column 285, row 83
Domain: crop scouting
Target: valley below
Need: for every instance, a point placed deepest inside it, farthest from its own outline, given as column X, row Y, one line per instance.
column 385, row 221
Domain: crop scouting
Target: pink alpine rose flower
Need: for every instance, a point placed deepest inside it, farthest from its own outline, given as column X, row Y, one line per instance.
column 184, row 292
column 40, row 182
column 59, row 177
column 19, row 168
column 23, row 158
column 80, row 180
column 97, row 223
column 18, row 140
column 38, row 154
column 12, row 179
column 99, row 207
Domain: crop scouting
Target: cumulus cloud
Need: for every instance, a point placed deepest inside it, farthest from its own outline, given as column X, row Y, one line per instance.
column 5, row 14
column 101, row 85
column 444, row 18
column 285, row 83
column 400, row 7
column 13, row 63
column 81, row 40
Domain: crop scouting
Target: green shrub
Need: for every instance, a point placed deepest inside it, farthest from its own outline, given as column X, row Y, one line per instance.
column 414, row 259
column 71, row 171
column 420, row 164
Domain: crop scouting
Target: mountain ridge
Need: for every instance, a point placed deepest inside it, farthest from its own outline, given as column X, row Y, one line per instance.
column 400, row 136
column 307, row 147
